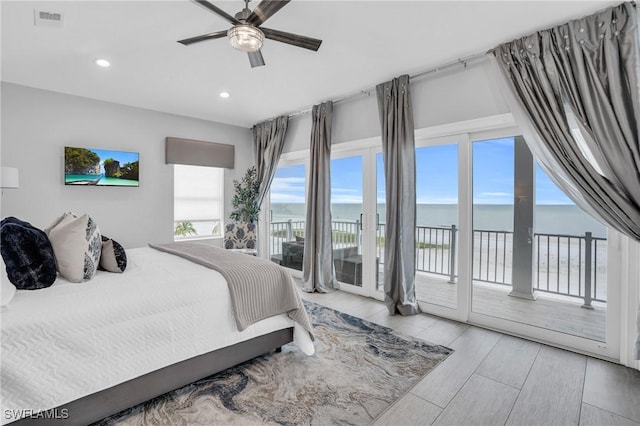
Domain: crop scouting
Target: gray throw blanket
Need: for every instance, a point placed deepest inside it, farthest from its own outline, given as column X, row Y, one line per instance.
column 259, row 288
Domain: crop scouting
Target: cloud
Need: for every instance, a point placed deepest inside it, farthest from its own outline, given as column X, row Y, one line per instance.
column 345, row 191
column 287, row 190
column 495, row 194
column 287, row 184
column 287, row 198
column 437, row 200
column 345, row 199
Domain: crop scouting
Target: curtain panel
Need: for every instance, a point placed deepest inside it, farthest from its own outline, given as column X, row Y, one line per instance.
column 576, row 88
column 578, row 85
column 318, row 273
column 268, row 142
column 398, row 151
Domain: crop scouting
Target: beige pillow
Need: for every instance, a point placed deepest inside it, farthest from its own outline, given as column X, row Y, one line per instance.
column 77, row 246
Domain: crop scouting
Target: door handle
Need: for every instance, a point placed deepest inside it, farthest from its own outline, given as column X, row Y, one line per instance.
column 361, row 221
column 377, row 221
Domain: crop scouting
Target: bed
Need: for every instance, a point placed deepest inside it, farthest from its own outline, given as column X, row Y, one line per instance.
column 85, row 351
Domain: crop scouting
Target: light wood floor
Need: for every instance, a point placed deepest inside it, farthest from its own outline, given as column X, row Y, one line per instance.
column 495, row 379
column 551, row 312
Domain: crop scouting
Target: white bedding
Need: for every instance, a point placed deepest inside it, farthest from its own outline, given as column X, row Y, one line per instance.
column 71, row 340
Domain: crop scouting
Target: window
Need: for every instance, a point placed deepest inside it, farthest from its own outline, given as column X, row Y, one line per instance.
column 198, row 202
column 287, row 215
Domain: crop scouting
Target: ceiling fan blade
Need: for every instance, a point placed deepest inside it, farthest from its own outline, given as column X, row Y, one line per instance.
column 265, row 10
column 203, row 37
column 293, row 39
column 256, row 59
column 215, row 9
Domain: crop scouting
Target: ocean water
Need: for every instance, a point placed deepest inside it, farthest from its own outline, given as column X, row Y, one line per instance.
column 80, row 178
column 111, row 181
column 549, row 219
column 103, row 180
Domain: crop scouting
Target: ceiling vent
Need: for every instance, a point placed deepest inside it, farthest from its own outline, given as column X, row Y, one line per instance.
column 44, row 18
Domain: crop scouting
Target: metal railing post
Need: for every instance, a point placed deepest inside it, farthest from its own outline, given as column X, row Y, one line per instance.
column 289, row 231
column 452, row 253
column 587, row 271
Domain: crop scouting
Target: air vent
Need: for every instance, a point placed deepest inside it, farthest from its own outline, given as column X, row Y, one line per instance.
column 47, row 18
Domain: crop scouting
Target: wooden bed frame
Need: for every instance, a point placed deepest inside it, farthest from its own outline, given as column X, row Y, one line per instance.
column 99, row 405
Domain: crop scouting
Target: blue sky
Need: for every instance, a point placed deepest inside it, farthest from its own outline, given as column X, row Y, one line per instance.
column 121, row 156
column 436, row 177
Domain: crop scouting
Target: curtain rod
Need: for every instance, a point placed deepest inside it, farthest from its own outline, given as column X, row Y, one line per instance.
column 458, row 62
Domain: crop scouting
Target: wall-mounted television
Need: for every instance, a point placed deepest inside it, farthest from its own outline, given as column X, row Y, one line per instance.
column 101, row 167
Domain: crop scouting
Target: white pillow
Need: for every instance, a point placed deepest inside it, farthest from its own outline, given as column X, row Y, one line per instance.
column 7, row 289
column 77, row 245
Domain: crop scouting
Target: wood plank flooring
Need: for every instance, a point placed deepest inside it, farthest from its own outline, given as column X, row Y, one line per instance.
column 495, row 379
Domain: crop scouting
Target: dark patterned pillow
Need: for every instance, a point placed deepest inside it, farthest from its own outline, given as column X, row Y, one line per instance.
column 113, row 257
column 27, row 254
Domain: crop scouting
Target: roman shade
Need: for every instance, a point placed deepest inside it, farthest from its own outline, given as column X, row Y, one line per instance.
column 199, row 153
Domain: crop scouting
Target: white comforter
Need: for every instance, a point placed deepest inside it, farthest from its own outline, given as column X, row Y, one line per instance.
column 71, row 340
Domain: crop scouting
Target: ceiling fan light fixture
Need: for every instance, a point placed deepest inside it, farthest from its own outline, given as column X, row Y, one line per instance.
column 245, row 38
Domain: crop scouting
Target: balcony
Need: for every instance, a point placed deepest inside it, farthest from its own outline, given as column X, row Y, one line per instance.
column 569, row 273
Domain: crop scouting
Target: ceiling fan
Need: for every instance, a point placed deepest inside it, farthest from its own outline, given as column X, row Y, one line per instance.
column 247, row 34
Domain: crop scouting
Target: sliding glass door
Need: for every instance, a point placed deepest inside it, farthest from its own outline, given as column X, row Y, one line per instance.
column 355, row 221
column 287, row 216
column 539, row 262
column 497, row 243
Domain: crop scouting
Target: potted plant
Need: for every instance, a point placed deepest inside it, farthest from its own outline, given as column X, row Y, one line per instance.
column 245, row 199
column 241, row 233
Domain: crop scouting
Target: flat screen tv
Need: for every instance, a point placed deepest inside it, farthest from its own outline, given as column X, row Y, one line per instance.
column 101, row 167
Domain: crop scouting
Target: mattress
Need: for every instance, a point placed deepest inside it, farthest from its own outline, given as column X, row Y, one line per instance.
column 70, row 340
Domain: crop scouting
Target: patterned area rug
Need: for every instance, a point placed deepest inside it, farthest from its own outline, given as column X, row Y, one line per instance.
column 359, row 369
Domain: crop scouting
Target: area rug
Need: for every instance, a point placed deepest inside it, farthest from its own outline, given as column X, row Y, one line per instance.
column 358, row 370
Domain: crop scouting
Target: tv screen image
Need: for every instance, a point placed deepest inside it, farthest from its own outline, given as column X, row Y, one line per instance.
column 88, row 166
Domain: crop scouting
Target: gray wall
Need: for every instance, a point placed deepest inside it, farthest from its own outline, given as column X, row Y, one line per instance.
column 446, row 97
column 37, row 124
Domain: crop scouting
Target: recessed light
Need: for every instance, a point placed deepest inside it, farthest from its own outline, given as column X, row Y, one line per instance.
column 102, row 63
column 224, row 95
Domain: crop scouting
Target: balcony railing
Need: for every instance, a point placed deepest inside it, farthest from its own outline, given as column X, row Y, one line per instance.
column 569, row 265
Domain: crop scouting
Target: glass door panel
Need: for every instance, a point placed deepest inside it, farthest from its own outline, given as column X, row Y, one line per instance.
column 570, row 249
column 538, row 260
column 346, row 220
column 286, row 227
column 437, row 224
column 493, row 207
column 381, row 220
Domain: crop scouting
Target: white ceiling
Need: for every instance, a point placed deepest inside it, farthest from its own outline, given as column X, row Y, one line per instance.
column 364, row 43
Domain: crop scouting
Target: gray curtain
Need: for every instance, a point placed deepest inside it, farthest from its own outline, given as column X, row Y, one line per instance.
column 578, row 87
column 398, row 150
column 268, row 141
column 317, row 265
